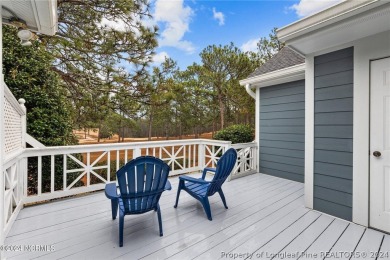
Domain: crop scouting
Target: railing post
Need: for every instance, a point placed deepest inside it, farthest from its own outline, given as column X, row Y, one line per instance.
column 23, row 162
column 256, row 159
column 228, row 146
column 201, row 156
column 136, row 152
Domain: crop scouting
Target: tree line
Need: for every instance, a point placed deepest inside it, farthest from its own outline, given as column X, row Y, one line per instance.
column 93, row 75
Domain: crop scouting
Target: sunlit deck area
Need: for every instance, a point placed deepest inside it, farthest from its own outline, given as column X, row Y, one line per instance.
column 266, row 216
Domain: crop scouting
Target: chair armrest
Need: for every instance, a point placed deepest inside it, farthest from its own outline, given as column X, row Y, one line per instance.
column 191, row 179
column 205, row 170
column 168, row 186
column 111, row 191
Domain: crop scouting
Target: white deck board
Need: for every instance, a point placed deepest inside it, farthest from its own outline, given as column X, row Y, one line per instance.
column 384, row 251
column 266, row 214
column 199, row 225
column 301, row 243
column 368, row 245
column 347, row 242
column 211, row 235
column 281, row 240
column 326, row 240
column 277, row 221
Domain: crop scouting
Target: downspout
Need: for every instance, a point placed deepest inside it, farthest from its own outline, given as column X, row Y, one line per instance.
column 250, row 91
column 256, row 97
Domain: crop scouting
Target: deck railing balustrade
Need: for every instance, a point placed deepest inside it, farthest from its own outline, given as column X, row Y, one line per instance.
column 38, row 174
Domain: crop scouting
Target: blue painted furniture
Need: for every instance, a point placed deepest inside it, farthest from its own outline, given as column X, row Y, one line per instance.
column 141, row 183
column 201, row 189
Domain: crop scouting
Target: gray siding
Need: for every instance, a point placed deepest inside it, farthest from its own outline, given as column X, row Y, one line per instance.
column 282, row 130
column 333, row 133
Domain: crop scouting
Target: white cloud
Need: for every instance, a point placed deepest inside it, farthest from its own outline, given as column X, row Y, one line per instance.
column 219, row 16
column 250, row 45
column 308, row 7
column 176, row 19
column 159, row 58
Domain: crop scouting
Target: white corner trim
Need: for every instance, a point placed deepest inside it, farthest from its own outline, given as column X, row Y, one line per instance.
column 45, row 13
column 289, row 74
column 257, row 127
column 309, row 132
column 329, row 16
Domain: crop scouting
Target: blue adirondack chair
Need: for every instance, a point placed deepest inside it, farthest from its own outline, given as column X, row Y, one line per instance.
column 201, row 189
column 141, row 183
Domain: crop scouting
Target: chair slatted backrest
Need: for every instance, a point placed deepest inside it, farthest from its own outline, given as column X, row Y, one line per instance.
column 141, row 182
column 225, row 166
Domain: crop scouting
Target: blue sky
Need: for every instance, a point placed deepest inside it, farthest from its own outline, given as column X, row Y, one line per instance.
column 187, row 27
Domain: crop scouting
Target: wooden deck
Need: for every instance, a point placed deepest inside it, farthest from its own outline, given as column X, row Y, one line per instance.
column 266, row 216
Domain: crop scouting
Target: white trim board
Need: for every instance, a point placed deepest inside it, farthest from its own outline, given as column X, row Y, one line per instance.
column 371, row 19
column 281, row 76
column 257, row 127
column 309, row 132
column 329, row 16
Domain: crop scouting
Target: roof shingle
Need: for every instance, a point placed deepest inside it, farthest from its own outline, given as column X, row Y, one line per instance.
column 285, row 58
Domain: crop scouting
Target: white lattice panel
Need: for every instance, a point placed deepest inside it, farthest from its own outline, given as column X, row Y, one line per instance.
column 13, row 128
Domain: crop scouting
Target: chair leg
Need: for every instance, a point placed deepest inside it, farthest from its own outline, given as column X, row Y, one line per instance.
column 178, row 192
column 159, row 220
column 206, row 206
column 223, row 198
column 114, row 208
column 121, row 224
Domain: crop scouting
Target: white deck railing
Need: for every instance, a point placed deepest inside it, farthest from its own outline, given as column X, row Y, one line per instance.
column 14, row 166
column 43, row 173
column 55, row 172
column 246, row 160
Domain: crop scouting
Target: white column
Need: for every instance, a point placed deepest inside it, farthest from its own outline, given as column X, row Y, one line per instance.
column 22, row 176
column 257, row 134
column 309, row 131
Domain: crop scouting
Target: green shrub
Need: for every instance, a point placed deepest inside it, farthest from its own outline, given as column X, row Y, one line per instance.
column 236, row 134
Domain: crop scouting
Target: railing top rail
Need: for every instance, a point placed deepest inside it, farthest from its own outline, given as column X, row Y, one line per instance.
column 30, row 152
column 244, row 145
column 11, row 158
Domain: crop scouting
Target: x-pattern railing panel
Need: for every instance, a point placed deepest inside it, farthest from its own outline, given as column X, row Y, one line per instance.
column 87, row 168
column 212, row 154
column 246, row 160
column 13, row 188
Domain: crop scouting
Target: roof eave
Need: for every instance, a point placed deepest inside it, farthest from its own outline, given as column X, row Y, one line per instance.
column 285, row 75
column 325, row 18
column 39, row 15
column 46, row 16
